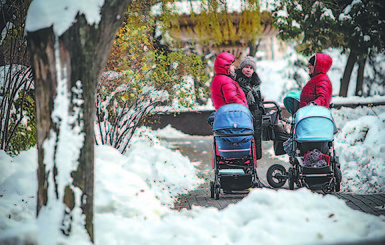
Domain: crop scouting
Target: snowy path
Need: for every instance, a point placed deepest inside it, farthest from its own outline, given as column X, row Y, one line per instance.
column 198, row 149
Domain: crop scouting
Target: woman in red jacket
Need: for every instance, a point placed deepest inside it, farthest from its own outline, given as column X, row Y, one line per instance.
column 318, row 89
column 224, row 90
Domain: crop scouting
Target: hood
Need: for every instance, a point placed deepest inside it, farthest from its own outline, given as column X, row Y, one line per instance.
column 322, row 64
column 223, row 62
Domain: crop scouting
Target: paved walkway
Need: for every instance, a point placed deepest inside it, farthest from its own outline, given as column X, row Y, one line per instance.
column 198, row 148
column 372, row 204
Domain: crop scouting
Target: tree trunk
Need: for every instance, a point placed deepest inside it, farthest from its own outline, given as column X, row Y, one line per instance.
column 360, row 76
column 2, row 57
column 66, row 71
column 253, row 48
column 347, row 74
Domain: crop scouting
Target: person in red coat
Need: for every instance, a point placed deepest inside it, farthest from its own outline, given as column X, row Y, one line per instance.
column 224, row 89
column 318, row 90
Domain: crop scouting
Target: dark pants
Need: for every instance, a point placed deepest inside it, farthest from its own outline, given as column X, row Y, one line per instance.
column 257, row 112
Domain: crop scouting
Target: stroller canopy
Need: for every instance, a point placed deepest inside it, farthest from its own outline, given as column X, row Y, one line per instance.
column 291, row 102
column 314, row 124
column 233, row 131
column 233, row 116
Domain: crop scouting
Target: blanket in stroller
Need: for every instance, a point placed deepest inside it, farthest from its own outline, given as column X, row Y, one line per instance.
column 316, row 159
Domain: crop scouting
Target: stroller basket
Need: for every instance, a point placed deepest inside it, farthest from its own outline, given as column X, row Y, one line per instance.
column 236, row 182
column 233, row 131
column 314, row 123
column 315, row 178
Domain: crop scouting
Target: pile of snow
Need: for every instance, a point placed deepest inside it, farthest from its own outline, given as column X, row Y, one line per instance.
column 169, row 132
column 360, row 144
column 134, row 193
column 144, row 182
column 263, row 217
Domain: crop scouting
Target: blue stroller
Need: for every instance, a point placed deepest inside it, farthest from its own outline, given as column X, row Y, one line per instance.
column 234, row 159
column 311, row 150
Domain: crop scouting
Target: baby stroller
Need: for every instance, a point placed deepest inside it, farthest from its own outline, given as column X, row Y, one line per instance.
column 310, row 149
column 234, row 160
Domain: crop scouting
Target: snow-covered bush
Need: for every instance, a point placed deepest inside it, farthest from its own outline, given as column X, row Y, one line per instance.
column 361, row 147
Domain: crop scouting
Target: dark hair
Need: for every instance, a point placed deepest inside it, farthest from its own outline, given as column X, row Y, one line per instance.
column 312, row 60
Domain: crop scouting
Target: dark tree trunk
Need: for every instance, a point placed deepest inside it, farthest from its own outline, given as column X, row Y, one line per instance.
column 253, row 48
column 360, row 76
column 347, row 74
column 2, row 57
column 41, row 45
column 83, row 51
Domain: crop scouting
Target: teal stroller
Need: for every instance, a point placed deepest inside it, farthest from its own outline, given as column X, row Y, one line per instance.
column 314, row 164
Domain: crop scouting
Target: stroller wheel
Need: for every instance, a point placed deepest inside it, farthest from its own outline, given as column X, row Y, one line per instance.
column 276, row 175
column 217, row 193
column 211, row 189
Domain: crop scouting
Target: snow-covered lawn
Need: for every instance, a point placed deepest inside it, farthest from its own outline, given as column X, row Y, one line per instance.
column 134, row 193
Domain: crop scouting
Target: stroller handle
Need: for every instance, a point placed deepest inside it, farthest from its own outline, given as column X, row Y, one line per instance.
column 275, row 105
column 279, row 111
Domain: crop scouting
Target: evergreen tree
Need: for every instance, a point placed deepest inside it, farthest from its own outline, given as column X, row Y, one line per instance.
column 357, row 27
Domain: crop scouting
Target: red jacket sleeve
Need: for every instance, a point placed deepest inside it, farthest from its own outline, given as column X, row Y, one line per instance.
column 323, row 93
column 232, row 94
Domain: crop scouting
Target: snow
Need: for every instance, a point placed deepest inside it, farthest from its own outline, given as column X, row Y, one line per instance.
column 62, row 158
column 61, row 14
column 134, row 192
column 8, row 26
column 361, row 147
column 346, row 12
column 277, row 77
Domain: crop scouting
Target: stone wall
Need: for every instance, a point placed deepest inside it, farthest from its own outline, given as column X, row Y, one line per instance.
column 195, row 122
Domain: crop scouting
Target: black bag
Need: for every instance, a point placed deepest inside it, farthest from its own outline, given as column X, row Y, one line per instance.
column 278, row 148
column 267, row 129
column 256, row 111
column 272, row 129
column 279, row 133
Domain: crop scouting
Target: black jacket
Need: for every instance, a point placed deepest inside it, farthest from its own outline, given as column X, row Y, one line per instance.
column 249, row 84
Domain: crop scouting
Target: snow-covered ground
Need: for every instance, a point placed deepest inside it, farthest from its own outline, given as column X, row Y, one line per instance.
column 134, row 193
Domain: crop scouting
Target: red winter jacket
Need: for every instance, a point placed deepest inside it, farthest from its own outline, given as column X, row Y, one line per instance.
column 319, row 89
column 225, row 90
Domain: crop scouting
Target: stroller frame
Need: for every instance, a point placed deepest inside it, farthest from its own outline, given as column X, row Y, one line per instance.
column 233, row 181
column 233, row 153
column 328, row 178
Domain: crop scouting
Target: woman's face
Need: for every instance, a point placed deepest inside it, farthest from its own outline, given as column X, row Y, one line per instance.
column 248, row 71
column 310, row 68
column 232, row 68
